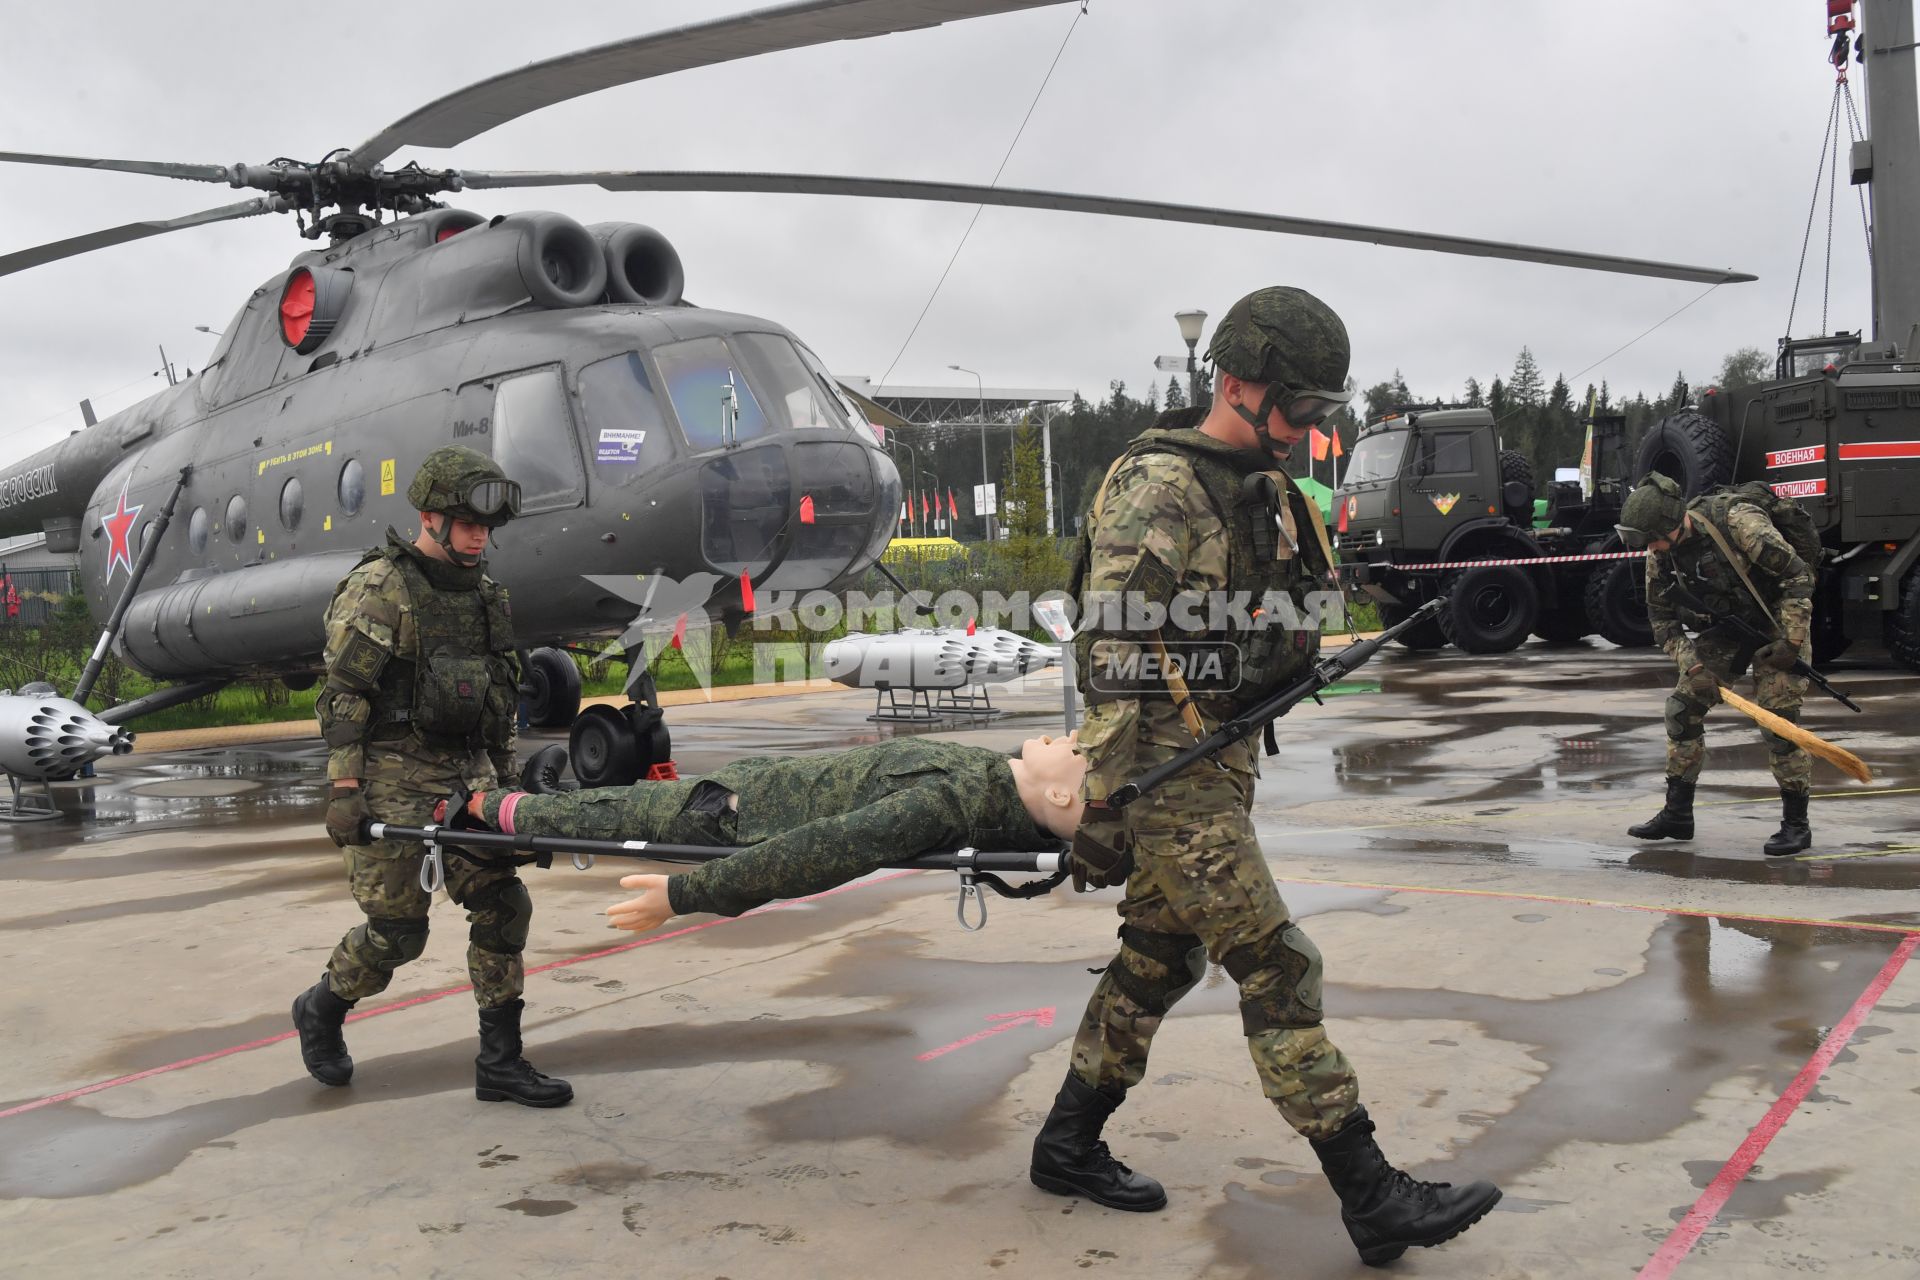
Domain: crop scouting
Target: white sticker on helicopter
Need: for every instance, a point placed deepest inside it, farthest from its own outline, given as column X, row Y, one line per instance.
column 619, row 445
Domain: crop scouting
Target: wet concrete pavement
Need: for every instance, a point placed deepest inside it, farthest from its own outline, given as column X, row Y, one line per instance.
column 1528, row 995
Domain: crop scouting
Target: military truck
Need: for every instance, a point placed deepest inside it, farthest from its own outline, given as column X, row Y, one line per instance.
column 1838, row 430
column 1431, row 505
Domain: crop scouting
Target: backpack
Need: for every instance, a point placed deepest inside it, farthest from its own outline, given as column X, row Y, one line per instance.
column 1790, row 519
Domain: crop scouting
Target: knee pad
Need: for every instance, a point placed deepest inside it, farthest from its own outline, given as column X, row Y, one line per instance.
column 1686, row 719
column 396, row 940
column 503, row 916
column 1178, row 957
column 1286, row 995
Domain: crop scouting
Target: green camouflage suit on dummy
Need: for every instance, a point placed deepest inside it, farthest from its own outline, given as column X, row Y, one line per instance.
column 812, row 822
column 1694, row 585
column 1218, row 537
column 420, row 696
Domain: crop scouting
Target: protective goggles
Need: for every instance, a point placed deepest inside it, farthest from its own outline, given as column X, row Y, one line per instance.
column 1311, row 408
column 491, row 497
column 1631, row 538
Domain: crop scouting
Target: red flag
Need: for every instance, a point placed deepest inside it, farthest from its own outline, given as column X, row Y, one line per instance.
column 1345, row 509
column 746, row 591
column 953, row 508
column 923, row 504
column 806, row 508
column 1338, row 452
column 1317, row 444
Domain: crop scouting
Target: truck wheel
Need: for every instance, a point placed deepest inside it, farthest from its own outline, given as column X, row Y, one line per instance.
column 1516, row 469
column 1490, row 609
column 1421, row 639
column 553, row 682
column 1617, row 603
column 1903, row 624
column 1565, row 623
column 1690, row 448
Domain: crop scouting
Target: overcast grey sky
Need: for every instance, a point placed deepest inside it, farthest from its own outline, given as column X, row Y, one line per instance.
column 1680, row 132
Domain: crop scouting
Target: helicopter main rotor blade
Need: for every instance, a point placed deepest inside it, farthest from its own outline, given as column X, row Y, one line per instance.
column 158, row 168
column 1116, row 206
column 467, row 113
column 58, row 249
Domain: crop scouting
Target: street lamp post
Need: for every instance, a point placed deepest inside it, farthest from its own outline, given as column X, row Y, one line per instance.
column 1190, row 323
column 981, row 393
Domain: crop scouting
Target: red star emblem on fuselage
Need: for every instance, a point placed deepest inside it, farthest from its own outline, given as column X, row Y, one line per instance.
column 119, row 527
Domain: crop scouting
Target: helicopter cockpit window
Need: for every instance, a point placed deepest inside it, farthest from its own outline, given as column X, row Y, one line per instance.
column 625, row 425
column 197, row 527
column 710, row 394
column 533, row 440
column 292, row 503
column 237, row 518
column 353, row 487
column 806, row 397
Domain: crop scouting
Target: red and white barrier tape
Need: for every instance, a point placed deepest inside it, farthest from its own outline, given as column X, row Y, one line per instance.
column 1480, row 564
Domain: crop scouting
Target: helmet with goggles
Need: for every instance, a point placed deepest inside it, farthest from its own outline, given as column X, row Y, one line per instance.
column 1653, row 510
column 465, row 484
column 1292, row 343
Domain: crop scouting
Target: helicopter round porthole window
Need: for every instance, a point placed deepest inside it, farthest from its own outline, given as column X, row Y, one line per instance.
column 197, row 526
column 237, row 518
column 353, row 487
column 292, row 503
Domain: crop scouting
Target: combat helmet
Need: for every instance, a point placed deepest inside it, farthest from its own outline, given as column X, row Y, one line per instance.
column 463, row 484
column 1293, row 343
column 1653, row 510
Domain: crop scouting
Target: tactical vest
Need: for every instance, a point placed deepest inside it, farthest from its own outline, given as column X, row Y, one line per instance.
column 458, row 689
column 1706, row 588
column 1275, row 544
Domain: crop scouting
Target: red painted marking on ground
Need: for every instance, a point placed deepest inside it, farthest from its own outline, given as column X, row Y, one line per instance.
column 429, row 998
column 1039, row 1018
column 1684, row 1236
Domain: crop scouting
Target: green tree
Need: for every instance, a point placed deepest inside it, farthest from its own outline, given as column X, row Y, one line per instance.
column 1176, row 394
column 1025, row 510
column 1474, row 398
column 1497, row 400
column 1526, row 386
column 1743, row 368
column 1383, row 395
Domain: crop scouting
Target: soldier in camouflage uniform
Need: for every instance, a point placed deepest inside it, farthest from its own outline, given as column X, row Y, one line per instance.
column 421, row 689
column 1694, row 582
column 811, row 822
column 1196, row 517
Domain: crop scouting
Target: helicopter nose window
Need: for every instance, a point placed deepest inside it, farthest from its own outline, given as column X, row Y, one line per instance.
column 806, row 399
column 353, row 487
column 625, row 426
column 197, row 530
column 710, row 394
column 292, row 504
column 533, row 440
column 237, row 518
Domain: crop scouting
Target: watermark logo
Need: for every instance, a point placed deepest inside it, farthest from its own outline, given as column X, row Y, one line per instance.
column 1141, row 669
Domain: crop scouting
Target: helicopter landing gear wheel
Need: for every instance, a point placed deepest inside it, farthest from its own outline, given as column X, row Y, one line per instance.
column 553, row 688
column 618, row 746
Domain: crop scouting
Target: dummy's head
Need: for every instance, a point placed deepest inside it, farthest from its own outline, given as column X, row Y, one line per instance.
column 1048, row 773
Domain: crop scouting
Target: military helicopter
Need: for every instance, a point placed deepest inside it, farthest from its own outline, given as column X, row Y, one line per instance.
column 653, row 438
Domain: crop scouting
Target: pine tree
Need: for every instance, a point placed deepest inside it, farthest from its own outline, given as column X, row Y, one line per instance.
column 1497, row 400
column 1176, row 394
column 1475, row 398
column 1026, row 499
column 1526, row 386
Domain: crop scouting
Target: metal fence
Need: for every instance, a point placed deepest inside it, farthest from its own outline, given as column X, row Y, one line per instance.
column 28, row 597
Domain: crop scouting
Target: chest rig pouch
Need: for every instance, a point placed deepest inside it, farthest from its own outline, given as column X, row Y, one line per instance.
column 459, row 686
column 1706, row 587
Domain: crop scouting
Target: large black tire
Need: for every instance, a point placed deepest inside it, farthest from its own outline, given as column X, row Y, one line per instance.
column 1690, row 448
column 603, row 748
column 1903, row 624
column 1566, row 622
column 1516, row 486
column 553, row 688
column 1617, row 602
column 1490, row 609
column 1515, row 465
column 1423, row 638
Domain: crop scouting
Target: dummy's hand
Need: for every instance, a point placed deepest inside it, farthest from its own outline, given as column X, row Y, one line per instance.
column 648, row 911
column 1100, row 856
column 1777, row 655
column 348, row 815
column 1700, row 682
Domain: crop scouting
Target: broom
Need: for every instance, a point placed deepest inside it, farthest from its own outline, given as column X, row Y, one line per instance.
column 1841, row 758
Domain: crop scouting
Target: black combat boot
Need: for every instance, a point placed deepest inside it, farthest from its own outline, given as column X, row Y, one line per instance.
column 1675, row 819
column 501, row 1074
column 1070, row 1160
column 1385, row 1211
column 318, row 1015
column 1794, row 833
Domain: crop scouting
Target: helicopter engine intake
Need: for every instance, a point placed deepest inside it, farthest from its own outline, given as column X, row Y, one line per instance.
column 643, row 267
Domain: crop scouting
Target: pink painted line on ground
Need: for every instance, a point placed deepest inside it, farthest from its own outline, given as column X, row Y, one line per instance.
column 429, row 998
column 1684, row 1236
column 1039, row 1018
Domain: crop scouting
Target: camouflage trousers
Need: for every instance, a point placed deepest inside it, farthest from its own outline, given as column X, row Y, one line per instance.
column 1201, row 890
column 1728, row 656
column 385, row 880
